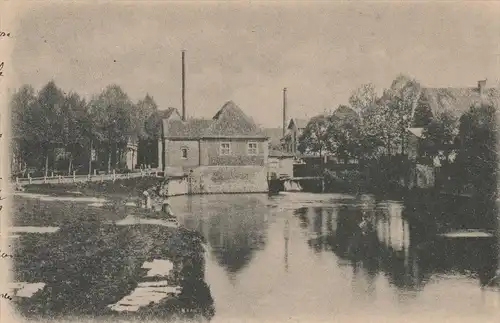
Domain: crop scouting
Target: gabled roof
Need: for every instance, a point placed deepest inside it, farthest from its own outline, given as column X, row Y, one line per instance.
column 299, row 123
column 228, row 122
column 191, row 128
column 344, row 111
column 168, row 113
column 457, row 100
column 274, row 134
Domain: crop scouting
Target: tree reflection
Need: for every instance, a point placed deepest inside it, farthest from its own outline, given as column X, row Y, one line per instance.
column 395, row 246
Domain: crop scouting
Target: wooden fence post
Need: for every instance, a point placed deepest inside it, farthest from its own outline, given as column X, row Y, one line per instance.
column 128, row 175
column 95, row 172
column 29, row 178
column 74, row 176
column 52, row 174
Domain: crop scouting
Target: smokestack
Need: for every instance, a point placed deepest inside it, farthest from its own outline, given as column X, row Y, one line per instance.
column 183, row 86
column 284, row 111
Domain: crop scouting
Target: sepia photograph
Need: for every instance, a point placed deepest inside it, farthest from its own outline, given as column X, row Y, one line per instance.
column 251, row 161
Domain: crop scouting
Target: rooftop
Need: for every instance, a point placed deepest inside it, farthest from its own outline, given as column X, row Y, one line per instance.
column 229, row 122
column 458, row 100
column 299, row 123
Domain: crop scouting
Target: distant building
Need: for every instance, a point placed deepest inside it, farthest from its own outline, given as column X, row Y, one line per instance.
column 431, row 102
column 454, row 100
column 230, row 138
column 293, row 132
column 280, row 163
column 275, row 135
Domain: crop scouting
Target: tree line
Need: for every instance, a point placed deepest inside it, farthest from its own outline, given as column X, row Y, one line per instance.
column 51, row 121
column 373, row 130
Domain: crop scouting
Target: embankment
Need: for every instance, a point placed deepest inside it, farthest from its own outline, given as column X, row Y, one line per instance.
column 119, row 187
column 221, row 180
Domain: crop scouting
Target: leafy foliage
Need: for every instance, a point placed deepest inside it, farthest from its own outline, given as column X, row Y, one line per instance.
column 478, row 155
column 51, row 119
column 315, row 137
column 345, row 133
column 439, row 136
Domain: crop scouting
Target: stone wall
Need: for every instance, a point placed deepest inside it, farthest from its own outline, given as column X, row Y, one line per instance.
column 221, row 179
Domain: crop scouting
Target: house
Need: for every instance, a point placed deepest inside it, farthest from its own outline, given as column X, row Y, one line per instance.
column 456, row 101
column 230, row 138
column 292, row 134
column 432, row 102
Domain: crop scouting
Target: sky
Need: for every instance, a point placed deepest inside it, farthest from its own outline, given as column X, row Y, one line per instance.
column 248, row 52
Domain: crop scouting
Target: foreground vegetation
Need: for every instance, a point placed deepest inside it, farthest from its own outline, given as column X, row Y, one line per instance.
column 91, row 262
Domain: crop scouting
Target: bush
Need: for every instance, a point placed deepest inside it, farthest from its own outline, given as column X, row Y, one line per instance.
column 345, row 180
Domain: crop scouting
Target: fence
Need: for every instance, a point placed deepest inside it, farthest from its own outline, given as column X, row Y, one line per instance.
column 58, row 179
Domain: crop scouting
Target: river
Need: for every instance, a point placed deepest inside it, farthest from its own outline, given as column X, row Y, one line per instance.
column 302, row 257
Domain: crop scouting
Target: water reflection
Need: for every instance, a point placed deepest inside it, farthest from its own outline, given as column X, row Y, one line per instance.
column 234, row 231
column 283, row 251
column 390, row 245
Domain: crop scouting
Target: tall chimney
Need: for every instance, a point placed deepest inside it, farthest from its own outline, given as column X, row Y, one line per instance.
column 481, row 85
column 284, row 111
column 183, row 86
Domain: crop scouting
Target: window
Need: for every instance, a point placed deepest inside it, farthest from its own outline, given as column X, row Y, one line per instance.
column 225, row 148
column 184, row 153
column 252, row 148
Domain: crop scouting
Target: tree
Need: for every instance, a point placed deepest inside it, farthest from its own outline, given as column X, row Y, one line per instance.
column 23, row 136
column 439, row 136
column 478, row 153
column 45, row 124
column 380, row 129
column 148, row 118
column 422, row 115
column 398, row 106
column 150, row 121
column 315, row 138
column 363, row 98
column 113, row 113
column 345, row 134
column 72, row 122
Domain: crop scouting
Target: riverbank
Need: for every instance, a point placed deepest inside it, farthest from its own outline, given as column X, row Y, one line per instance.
column 93, row 259
column 123, row 187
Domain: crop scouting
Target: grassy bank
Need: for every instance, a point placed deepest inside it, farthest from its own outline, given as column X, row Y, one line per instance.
column 91, row 262
column 119, row 188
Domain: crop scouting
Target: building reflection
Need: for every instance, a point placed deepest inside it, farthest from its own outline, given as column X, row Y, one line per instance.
column 394, row 246
column 234, row 231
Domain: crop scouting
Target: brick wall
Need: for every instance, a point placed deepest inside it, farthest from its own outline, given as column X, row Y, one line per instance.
column 173, row 153
column 239, row 155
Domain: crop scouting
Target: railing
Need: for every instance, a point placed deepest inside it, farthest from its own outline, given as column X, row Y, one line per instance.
column 85, row 178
